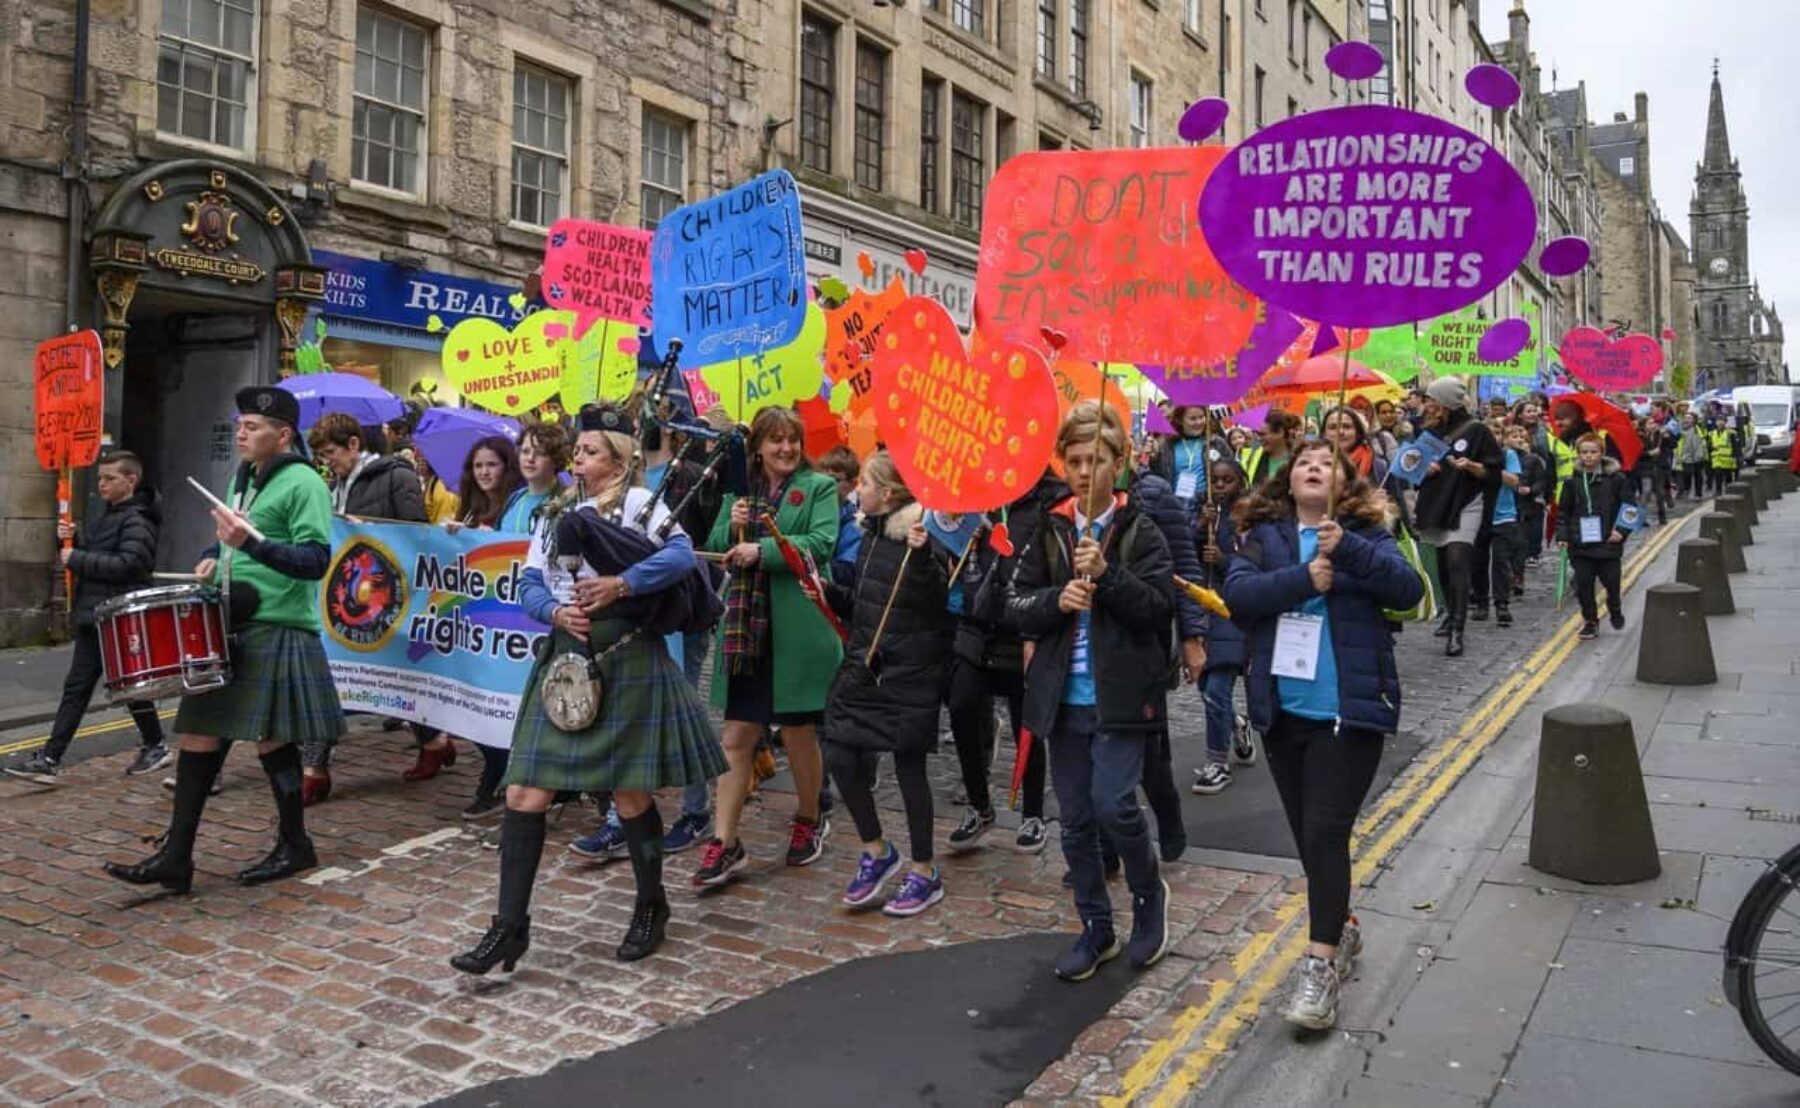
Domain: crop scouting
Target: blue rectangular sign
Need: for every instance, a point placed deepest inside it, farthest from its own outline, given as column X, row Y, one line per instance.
column 381, row 292
column 728, row 274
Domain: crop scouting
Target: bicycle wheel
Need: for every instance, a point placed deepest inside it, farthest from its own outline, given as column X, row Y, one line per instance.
column 1763, row 959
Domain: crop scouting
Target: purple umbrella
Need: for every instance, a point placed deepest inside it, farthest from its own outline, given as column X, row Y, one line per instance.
column 358, row 397
column 446, row 435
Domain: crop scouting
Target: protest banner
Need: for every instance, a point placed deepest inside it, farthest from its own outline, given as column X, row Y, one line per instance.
column 852, row 329
column 772, row 378
column 1104, row 246
column 728, row 273
column 1368, row 216
column 425, row 625
column 1393, row 350
column 1224, row 382
column 1607, row 364
column 968, row 432
column 598, row 273
column 508, row 371
column 1450, row 345
column 69, row 382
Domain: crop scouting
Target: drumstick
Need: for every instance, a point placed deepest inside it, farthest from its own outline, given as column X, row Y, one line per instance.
column 221, row 505
column 175, row 576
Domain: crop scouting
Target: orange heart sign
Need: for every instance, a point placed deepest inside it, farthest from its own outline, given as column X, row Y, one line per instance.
column 968, row 432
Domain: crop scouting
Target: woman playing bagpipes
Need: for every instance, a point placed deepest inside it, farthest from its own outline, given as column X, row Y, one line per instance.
column 611, row 580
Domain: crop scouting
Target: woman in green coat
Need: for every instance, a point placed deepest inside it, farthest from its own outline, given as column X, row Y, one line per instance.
column 777, row 653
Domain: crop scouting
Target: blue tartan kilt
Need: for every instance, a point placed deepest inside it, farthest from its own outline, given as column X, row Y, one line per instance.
column 652, row 731
column 280, row 691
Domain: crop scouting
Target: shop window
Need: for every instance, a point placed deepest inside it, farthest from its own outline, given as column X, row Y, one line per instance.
column 818, row 89
column 871, row 113
column 662, row 178
column 968, row 163
column 205, row 70
column 931, row 138
column 387, row 138
column 540, row 151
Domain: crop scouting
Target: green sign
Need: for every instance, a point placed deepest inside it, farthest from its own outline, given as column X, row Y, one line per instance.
column 1449, row 343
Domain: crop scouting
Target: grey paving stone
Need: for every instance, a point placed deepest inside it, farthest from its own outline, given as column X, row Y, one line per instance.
column 1720, row 831
column 1760, row 730
column 1461, row 1021
column 1369, row 1092
column 1656, row 998
column 1731, row 795
column 1553, row 1070
column 1744, row 763
column 1680, row 876
column 1723, row 883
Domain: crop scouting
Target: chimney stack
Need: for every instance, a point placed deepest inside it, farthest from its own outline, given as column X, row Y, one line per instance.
column 1643, row 108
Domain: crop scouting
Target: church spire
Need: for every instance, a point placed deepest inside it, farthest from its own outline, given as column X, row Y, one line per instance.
column 1718, row 140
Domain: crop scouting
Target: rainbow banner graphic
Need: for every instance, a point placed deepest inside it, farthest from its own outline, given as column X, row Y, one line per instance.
column 425, row 625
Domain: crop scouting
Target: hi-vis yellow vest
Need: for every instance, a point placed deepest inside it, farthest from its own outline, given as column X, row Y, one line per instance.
column 1565, row 461
column 1724, row 451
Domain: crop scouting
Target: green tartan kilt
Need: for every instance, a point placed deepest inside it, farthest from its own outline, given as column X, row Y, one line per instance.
column 652, row 731
column 280, row 691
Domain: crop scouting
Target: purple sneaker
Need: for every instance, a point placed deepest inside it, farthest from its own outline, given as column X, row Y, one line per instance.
column 871, row 877
column 916, row 894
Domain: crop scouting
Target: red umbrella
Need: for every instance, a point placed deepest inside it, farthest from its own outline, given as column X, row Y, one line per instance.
column 1320, row 374
column 1610, row 421
column 806, row 571
column 1022, row 760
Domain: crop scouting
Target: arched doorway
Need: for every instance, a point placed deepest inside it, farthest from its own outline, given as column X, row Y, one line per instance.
column 202, row 279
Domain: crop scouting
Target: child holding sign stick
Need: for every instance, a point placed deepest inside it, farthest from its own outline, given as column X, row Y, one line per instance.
column 885, row 695
column 1095, row 595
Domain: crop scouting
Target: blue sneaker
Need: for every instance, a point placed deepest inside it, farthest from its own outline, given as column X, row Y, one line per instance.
column 872, row 876
column 687, row 832
column 1096, row 946
column 917, row 893
column 1149, row 928
column 603, row 845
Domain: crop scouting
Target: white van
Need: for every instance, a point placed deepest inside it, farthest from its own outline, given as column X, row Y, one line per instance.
column 1773, row 410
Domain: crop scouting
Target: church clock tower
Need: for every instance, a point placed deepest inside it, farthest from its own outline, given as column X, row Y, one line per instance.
column 1738, row 338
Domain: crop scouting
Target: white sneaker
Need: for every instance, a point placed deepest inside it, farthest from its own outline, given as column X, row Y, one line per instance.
column 1032, row 835
column 1212, row 778
column 1315, row 1000
column 1243, row 742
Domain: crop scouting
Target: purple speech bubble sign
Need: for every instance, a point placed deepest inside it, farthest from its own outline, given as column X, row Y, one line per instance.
column 1503, row 341
column 1223, row 384
column 1203, row 119
column 1156, row 422
column 1565, row 256
column 1444, row 219
column 1354, row 61
column 1492, row 85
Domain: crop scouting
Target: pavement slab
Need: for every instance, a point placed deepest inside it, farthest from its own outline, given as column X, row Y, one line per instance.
column 1552, row 1069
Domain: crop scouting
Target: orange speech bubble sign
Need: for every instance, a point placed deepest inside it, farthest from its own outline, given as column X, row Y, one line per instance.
column 69, row 377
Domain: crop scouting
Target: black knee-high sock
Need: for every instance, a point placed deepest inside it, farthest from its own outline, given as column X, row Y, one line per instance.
column 283, row 767
column 644, row 837
column 194, row 775
column 521, row 847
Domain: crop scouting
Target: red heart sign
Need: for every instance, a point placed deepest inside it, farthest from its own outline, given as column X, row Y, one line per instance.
column 1001, row 540
column 915, row 261
column 1056, row 339
column 1606, row 364
column 968, row 432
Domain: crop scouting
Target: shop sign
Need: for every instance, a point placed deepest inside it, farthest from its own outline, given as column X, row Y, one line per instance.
column 209, row 237
column 832, row 251
column 381, row 292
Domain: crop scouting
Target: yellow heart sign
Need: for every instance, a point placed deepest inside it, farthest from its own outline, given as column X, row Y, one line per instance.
column 602, row 365
column 775, row 378
column 508, row 371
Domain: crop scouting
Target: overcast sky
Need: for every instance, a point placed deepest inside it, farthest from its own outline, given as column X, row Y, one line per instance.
column 1665, row 48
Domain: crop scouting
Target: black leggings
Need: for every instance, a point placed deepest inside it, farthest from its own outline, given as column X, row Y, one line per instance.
column 970, row 697
column 852, row 769
column 1322, row 778
column 1586, row 570
column 1456, row 573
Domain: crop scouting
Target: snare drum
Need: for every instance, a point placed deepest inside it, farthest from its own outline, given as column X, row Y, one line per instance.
column 163, row 642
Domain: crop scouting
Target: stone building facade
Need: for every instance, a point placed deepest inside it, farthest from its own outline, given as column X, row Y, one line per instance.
column 246, row 170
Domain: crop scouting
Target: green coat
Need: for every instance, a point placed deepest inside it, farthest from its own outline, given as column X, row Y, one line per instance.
column 806, row 650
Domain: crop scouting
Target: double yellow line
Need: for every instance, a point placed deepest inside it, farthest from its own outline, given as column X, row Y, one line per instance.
column 23, row 745
column 1202, row 1034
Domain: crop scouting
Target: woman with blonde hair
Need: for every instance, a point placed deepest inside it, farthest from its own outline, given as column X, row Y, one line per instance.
column 777, row 652
column 650, row 730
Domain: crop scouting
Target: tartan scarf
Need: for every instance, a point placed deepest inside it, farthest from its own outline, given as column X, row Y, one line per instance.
column 746, row 622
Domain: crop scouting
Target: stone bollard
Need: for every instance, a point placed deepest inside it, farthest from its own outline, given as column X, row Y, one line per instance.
column 1700, row 563
column 1770, row 474
column 1748, row 492
column 1722, row 527
column 1674, row 647
column 1759, row 488
column 1590, row 817
column 1740, row 511
column 1786, row 477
